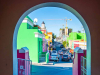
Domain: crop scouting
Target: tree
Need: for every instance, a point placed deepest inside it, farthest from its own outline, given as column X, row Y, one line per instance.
column 67, row 43
column 79, row 31
column 54, row 36
column 64, row 43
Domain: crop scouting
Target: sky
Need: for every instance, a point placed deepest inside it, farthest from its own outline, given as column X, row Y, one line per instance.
column 56, row 13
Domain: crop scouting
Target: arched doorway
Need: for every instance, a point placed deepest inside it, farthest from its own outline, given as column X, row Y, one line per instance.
column 52, row 4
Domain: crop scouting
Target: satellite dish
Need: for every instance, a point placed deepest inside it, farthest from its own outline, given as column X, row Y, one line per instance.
column 35, row 20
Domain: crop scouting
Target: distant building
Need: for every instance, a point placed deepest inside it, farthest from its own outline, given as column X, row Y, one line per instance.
column 30, row 36
column 77, row 40
column 58, row 39
column 66, row 31
column 69, row 31
column 63, row 33
column 43, row 28
column 51, row 35
column 82, row 44
column 76, row 36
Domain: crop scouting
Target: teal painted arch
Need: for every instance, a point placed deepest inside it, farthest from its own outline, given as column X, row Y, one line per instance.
column 52, row 4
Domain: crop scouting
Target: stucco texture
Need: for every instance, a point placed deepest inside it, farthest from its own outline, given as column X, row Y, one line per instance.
column 11, row 11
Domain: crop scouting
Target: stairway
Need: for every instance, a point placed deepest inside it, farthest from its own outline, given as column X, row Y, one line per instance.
column 42, row 58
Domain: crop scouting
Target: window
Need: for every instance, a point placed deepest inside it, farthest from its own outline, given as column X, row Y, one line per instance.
column 29, row 26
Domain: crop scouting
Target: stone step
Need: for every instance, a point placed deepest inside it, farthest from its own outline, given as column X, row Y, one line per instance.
column 40, row 63
column 42, row 60
column 41, row 57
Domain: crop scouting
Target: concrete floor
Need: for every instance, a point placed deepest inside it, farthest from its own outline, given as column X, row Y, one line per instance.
column 59, row 68
column 51, row 70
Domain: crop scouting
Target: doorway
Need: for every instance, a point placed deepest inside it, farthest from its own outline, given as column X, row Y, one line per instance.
column 52, row 4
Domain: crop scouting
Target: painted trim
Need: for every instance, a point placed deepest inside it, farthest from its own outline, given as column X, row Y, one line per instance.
column 37, row 34
column 27, row 21
column 78, row 50
column 80, row 43
column 23, row 51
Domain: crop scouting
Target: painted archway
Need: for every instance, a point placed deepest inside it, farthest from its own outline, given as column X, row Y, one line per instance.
column 52, row 4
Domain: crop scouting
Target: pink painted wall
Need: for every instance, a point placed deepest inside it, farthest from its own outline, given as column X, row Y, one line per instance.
column 44, row 31
column 11, row 11
column 44, row 45
column 20, row 62
column 20, row 55
column 77, row 63
column 27, row 55
column 26, row 64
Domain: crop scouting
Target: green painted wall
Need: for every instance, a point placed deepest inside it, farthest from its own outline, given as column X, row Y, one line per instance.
column 47, row 57
column 26, row 38
column 76, row 36
column 29, row 18
column 29, row 26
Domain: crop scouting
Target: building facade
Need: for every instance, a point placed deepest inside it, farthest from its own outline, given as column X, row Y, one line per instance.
column 69, row 30
column 63, row 33
column 77, row 40
column 30, row 37
column 76, row 36
column 51, row 35
column 43, row 28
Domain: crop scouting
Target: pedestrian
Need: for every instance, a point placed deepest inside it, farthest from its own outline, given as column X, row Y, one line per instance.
column 72, row 57
column 58, row 58
column 54, row 62
column 50, row 52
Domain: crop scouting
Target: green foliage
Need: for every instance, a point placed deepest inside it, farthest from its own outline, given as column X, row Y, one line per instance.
column 64, row 43
column 67, row 43
column 79, row 31
column 54, row 36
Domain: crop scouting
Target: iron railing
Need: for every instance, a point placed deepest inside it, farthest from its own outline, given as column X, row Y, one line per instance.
column 83, row 66
column 24, row 67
